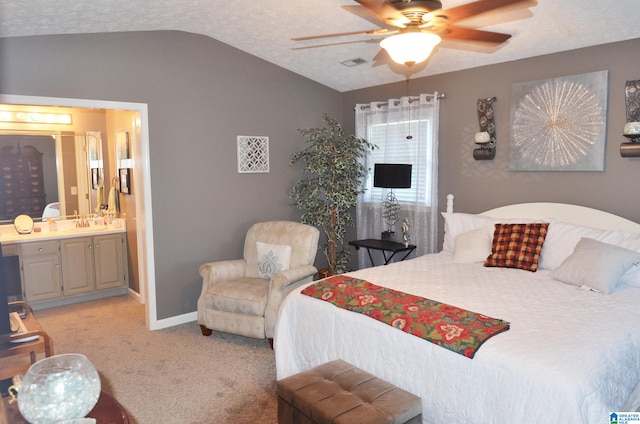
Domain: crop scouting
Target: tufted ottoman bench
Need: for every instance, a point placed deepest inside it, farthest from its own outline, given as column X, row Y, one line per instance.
column 339, row 393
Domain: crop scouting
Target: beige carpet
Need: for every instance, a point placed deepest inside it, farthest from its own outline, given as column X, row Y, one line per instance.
column 174, row 375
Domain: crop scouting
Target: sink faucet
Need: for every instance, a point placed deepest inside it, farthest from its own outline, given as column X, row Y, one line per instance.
column 82, row 222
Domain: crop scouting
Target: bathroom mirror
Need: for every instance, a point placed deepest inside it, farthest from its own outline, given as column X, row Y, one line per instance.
column 72, row 169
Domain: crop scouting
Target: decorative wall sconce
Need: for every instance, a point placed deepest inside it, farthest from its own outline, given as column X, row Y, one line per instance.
column 632, row 127
column 486, row 137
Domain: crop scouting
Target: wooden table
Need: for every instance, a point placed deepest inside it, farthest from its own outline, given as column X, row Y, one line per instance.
column 385, row 246
column 107, row 411
column 10, row 344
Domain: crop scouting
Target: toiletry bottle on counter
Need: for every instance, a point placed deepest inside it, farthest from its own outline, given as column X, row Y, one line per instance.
column 53, row 226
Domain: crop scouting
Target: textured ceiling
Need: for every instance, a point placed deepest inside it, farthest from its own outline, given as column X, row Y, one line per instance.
column 264, row 28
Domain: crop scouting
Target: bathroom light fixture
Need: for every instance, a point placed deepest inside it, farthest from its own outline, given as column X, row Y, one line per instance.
column 410, row 47
column 22, row 117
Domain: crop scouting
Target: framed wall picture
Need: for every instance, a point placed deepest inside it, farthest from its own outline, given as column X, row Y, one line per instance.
column 122, row 145
column 94, row 149
column 125, row 180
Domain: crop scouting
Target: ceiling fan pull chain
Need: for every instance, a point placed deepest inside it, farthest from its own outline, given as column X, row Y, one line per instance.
column 409, row 136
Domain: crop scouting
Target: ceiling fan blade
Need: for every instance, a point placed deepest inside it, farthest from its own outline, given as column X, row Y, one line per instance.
column 364, row 13
column 385, row 12
column 481, row 6
column 470, row 34
column 505, row 14
column 381, row 31
column 338, row 34
column 370, row 40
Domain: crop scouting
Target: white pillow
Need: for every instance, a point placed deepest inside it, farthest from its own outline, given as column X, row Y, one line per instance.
column 459, row 223
column 456, row 223
column 596, row 265
column 473, row 246
column 562, row 238
column 631, row 278
column 630, row 241
column 272, row 258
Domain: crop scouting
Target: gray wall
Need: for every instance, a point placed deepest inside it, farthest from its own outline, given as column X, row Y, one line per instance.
column 201, row 94
column 482, row 185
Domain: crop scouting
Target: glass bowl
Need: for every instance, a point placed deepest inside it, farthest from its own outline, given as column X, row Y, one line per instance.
column 57, row 388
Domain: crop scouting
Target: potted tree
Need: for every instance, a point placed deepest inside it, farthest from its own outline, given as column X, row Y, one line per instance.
column 330, row 185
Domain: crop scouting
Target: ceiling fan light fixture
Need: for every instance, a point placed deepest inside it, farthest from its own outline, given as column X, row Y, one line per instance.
column 410, row 47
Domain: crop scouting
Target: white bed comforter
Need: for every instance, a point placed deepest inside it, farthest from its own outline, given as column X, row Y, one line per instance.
column 570, row 356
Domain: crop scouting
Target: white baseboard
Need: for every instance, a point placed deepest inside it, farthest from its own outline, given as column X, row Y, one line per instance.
column 168, row 322
column 135, row 295
column 177, row 320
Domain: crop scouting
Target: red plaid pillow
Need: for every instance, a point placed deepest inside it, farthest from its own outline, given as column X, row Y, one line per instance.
column 517, row 246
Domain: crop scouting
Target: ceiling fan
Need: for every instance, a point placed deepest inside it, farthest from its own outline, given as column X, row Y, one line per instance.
column 416, row 27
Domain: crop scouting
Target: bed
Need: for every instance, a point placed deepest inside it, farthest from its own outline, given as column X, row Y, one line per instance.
column 571, row 353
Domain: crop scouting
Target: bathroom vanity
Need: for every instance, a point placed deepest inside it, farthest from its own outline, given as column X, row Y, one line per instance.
column 71, row 264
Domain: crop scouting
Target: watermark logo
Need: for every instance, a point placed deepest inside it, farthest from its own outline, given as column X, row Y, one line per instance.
column 624, row 418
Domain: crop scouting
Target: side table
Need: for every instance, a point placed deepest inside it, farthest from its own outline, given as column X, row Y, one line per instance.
column 107, row 411
column 386, row 246
column 13, row 344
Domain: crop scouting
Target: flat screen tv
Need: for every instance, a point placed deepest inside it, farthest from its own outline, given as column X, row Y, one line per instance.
column 392, row 175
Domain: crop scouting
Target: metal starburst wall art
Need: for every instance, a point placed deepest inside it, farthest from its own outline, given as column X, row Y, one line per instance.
column 559, row 124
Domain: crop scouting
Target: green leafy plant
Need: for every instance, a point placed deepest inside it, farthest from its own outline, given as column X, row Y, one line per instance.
column 330, row 185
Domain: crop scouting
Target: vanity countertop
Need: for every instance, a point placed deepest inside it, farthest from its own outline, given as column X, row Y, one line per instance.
column 9, row 235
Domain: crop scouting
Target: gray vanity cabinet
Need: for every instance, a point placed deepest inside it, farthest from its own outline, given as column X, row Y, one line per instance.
column 57, row 271
column 110, row 268
column 77, row 266
column 40, row 263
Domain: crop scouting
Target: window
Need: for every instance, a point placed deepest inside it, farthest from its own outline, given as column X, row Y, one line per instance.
column 405, row 131
column 394, row 147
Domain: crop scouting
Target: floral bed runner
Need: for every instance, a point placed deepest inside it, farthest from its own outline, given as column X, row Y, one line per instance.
column 448, row 326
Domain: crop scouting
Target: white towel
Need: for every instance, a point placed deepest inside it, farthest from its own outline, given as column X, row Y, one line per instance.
column 99, row 197
column 113, row 201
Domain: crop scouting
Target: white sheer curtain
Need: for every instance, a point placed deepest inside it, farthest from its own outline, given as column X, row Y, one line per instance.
column 405, row 131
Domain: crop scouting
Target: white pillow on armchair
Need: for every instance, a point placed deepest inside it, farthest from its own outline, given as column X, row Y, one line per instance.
column 272, row 258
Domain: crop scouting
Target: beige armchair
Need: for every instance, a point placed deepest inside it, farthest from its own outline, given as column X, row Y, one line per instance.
column 239, row 297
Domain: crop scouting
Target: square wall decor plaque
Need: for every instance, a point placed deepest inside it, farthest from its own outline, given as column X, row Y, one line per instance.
column 559, row 124
column 253, row 154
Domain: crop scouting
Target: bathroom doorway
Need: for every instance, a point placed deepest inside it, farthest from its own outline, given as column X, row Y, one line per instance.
column 130, row 118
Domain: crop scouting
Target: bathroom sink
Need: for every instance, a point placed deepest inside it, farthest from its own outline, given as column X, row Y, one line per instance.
column 90, row 229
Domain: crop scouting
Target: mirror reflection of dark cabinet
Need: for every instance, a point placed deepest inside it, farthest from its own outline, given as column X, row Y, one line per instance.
column 22, row 190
